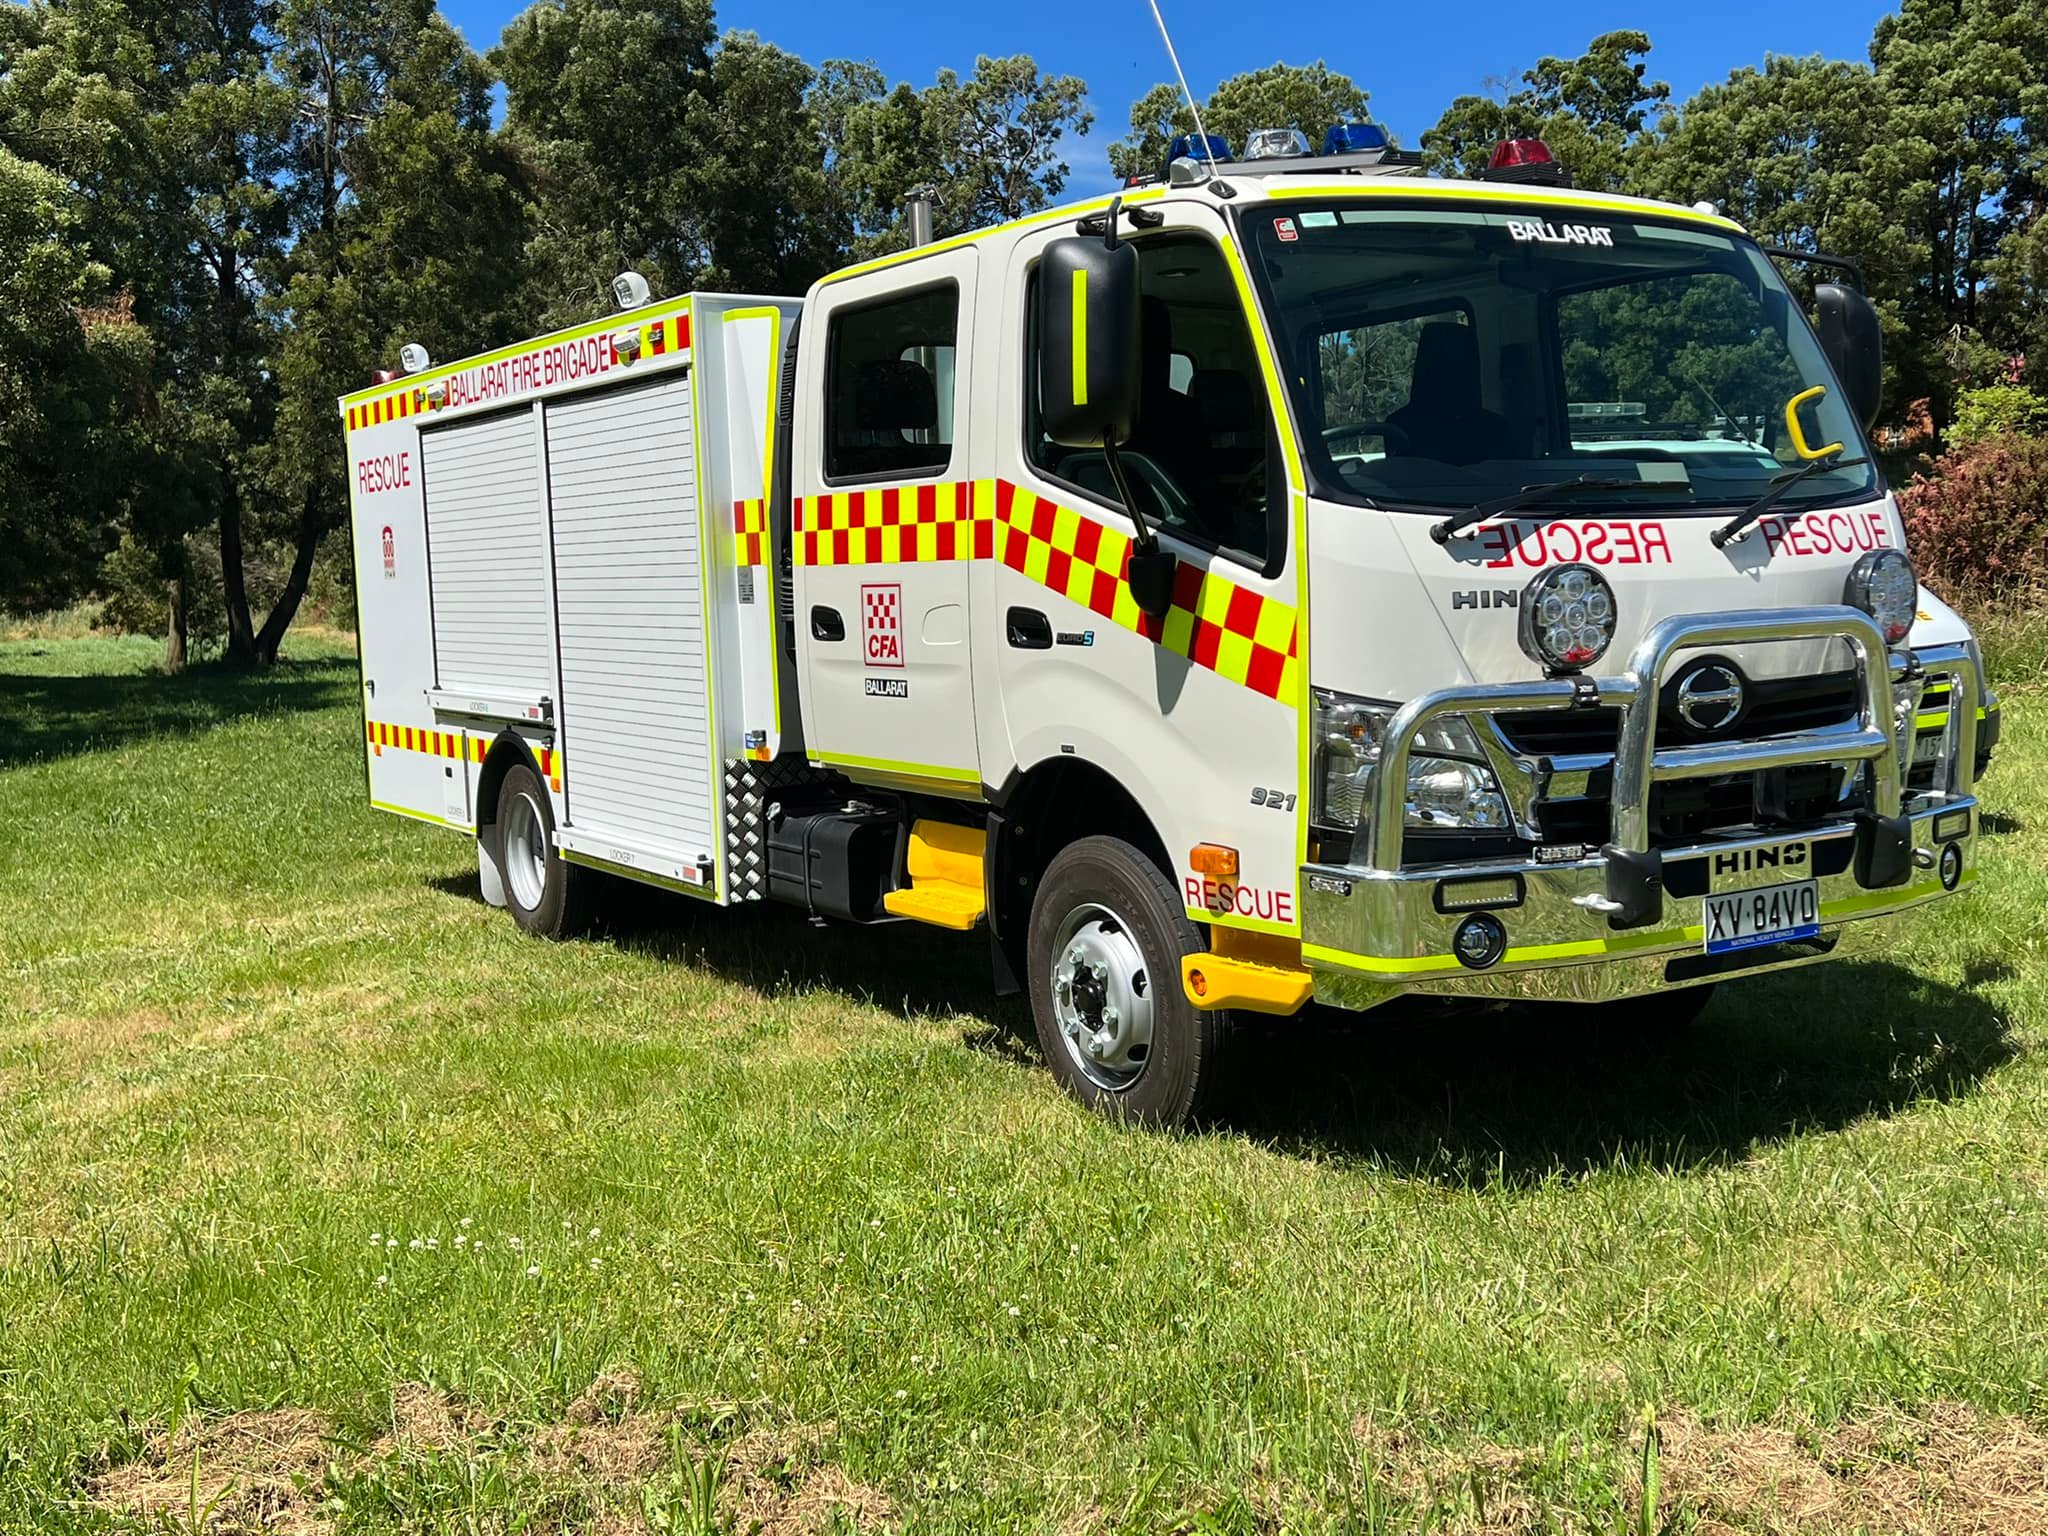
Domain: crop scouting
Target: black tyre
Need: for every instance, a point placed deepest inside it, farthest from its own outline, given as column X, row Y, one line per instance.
column 545, row 895
column 1114, row 1023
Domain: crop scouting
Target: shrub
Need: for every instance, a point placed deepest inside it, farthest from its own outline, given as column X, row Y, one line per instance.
column 1977, row 518
column 1998, row 409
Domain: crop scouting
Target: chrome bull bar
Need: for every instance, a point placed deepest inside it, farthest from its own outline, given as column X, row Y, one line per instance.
column 1640, row 763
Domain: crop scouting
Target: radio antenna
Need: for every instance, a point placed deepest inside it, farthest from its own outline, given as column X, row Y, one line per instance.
column 1202, row 133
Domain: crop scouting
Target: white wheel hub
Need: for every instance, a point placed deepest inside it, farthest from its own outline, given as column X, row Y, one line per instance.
column 526, row 851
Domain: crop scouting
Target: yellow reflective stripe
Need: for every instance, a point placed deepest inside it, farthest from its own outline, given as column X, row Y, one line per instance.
column 702, row 893
column 432, row 821
column 1428, row 191
column 1620, row 944
column 1015, row 226
column 908, row 770
column 1081, row 337
column 1250, row 924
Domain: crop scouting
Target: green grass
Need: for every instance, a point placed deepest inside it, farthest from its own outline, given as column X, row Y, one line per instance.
column 810, row 1217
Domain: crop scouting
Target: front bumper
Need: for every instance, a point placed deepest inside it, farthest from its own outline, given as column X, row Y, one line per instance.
column 1627, row 918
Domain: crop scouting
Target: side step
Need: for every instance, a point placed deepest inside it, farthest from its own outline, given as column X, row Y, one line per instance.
column 946, row 883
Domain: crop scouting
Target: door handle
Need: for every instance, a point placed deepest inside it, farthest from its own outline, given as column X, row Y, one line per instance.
column 1029, row 630
column 826, row 624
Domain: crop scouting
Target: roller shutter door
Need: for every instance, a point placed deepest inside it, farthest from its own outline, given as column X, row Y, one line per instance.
column 487, row 550
column 635, row 711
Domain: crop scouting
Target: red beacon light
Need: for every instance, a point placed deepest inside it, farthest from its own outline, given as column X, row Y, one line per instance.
column 1521, row 152
column 1525, row 160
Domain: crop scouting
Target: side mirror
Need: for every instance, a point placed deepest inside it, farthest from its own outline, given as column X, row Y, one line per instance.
column 1854, row 343
column 1088, row 342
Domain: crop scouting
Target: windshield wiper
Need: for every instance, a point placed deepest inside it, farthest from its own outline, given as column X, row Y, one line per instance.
column 1531, row 496
column 1780, row 488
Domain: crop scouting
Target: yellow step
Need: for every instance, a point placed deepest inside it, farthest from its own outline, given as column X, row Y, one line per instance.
column 946, row 887
column 1251, row 972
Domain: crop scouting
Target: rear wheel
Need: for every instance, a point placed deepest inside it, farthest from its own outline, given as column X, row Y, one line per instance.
column 545, row 895
column 1114, row 1023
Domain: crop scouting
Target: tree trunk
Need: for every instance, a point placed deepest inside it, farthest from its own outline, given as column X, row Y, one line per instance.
column 234, row 585
column 174, row 639
column 312, row 528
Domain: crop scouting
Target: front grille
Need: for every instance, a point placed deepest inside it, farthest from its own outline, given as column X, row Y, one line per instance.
column 1687, row 811
column 1776, row 707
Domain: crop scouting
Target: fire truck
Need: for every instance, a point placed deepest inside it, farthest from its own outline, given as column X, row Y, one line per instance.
column 1297, row 579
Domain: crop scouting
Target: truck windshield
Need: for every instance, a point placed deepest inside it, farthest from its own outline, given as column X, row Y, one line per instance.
column 1441, row 358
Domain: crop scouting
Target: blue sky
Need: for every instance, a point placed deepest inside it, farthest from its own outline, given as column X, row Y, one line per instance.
column 1413, row 58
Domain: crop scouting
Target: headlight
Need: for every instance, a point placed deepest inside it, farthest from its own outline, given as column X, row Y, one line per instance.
column 1567, row 618
column 1884, row 586
column 1450, row 784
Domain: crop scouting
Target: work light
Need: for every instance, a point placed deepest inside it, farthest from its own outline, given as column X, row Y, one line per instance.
column 1568, row 617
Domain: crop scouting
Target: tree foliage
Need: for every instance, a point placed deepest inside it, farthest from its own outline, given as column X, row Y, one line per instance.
column 1591, row 110
column 217, row 217
column 1308, row 97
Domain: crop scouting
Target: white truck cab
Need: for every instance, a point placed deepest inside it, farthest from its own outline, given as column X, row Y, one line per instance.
column 1293, row 579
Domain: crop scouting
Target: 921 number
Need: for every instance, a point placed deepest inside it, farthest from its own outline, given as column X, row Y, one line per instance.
column 1274, row 799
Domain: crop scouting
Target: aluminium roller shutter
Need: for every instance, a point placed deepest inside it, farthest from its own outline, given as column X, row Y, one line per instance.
column 487, row 549
column 635, row 706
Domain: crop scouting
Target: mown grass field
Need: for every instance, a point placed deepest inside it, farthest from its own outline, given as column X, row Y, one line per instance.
column 327, row 1202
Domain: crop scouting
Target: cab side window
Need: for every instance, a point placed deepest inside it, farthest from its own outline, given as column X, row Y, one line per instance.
column 1204, row 448
column 889, row 387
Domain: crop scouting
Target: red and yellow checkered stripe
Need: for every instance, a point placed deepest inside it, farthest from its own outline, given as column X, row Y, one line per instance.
column 1241, row 635
column 374, row 413
column 899, row 525
column 457, row 746
column 669, row 334
column 750, row 532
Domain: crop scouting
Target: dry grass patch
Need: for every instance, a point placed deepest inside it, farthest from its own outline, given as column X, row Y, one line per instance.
column 248, row 1472
column 1950, row 1471
column 267, row 1471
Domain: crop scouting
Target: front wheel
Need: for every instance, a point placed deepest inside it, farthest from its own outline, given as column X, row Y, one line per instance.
column 546, row 896
column 1114, row 1024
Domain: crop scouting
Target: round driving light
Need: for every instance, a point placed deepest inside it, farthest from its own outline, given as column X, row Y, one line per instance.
column 1568, row 617
column 1480, row 942
column 1883, row 584
column 1951, row 867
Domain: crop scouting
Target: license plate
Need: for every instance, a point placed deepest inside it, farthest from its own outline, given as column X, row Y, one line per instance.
column 1770, row 914
column 1927, row 749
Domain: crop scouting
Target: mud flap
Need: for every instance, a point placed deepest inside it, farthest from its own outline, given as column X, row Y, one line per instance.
column 489, row 877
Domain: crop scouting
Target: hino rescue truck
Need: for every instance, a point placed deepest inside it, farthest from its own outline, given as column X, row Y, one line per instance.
column 1298, row 578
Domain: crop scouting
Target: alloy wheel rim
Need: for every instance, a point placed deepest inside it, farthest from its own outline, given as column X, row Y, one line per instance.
column 1102, row 997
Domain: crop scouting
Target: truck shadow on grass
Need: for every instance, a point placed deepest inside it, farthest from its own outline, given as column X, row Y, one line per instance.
column 1518, row 1096
column 1465, row 1097
column 47, row 717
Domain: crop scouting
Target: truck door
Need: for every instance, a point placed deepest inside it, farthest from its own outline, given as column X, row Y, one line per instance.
column 1196, row 714
column 887, row 525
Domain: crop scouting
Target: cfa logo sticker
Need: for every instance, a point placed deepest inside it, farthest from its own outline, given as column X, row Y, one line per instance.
column 390, row 553
column 881, row 624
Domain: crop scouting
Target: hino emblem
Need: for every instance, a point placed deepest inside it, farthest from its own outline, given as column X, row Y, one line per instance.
column 1483, row 598
column 1710, row 697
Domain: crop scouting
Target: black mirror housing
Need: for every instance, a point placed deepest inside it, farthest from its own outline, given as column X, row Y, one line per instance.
column 1088, row 342
column 1854, row 343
